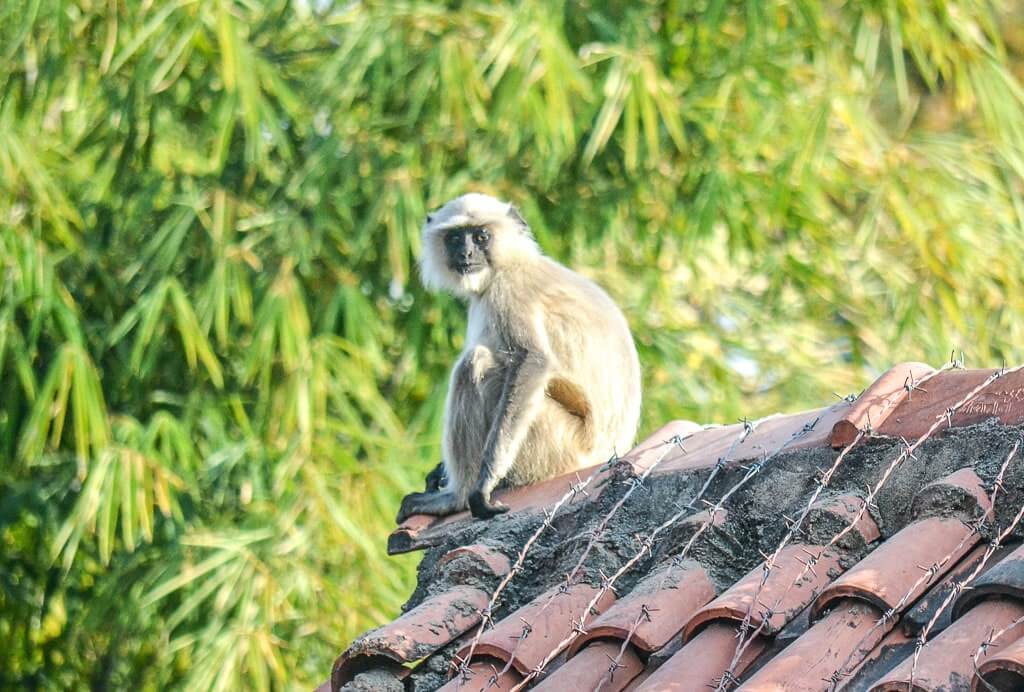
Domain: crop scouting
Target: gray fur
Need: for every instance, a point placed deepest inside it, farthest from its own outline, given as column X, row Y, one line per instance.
column 549, row 379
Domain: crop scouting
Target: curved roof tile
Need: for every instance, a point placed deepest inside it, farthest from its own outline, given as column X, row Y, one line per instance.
column 526, row 636
column 1004, row 579
column 946, row 663
column 831, row 625
column 420, row 632
column 1002, row 669
column 655, row 610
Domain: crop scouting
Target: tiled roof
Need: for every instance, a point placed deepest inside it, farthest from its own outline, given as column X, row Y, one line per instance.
column 870, row 545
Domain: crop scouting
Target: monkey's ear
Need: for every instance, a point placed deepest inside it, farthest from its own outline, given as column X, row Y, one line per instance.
column 517, row 217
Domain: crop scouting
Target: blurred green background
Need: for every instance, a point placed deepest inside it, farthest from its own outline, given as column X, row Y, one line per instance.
column 219, row 372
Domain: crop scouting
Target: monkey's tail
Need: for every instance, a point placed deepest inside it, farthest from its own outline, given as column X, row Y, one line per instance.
column 570, row 397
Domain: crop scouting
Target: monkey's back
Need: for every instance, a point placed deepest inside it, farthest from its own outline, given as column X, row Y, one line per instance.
column 591, row 340
column 594, row 359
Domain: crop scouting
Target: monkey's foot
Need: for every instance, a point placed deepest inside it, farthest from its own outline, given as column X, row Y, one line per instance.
column 482, row 507
column 435, row 503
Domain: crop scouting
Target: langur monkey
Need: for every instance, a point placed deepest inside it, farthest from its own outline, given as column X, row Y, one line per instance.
column 549, row 379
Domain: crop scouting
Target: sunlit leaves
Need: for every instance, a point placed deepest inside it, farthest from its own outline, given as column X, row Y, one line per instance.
column 72, row 391
column 125, row 486
column 637, row 93
column 147, row 318
column 220, row 371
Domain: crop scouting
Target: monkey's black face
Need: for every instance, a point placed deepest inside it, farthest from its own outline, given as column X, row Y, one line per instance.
column 468, row 249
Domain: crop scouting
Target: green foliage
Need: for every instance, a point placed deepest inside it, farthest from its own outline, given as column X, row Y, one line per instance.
column 219, row 372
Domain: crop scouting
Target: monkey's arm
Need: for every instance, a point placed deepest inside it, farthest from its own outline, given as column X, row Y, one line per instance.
column 521, row 397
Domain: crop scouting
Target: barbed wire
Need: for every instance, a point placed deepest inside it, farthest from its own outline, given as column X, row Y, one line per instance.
column 646, row 545
column 746, row 632
column 929, row 572
column 645, row 610
column 959, row 586
column 744, row 635
column 985, row 645
column 574, row 490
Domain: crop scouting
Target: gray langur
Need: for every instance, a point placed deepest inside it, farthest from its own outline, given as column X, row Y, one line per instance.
column 549, row 379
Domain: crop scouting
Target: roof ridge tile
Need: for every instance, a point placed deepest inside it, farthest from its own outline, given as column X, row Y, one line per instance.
column 876, row 403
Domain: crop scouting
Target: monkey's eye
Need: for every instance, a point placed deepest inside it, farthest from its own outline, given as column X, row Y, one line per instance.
column 481, row 236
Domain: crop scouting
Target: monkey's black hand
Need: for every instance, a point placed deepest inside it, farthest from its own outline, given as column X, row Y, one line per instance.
column 436, row 478
column 482, row 507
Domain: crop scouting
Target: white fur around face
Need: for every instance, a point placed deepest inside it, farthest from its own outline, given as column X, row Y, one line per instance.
column 508, row 239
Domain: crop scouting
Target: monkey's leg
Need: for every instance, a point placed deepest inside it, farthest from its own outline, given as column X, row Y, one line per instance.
column 436, row 478
column 436, row 503
column 521, row 397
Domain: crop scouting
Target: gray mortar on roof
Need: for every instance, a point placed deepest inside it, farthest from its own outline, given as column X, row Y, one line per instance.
column 755, row 523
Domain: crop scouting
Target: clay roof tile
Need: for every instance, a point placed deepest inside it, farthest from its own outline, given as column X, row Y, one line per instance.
column 1004, row 399
column 1002, row 669
column 839, row 640
column 781, row 587
column 483, row 676
column 877, row 402
column 946, row 662
column 526, row 636
column 1005, row 579
column 699, row 665
column 971, row 500
column 482, row 557
column 418, row 633
column 890, row 576
column 603, row 665
column 655, row 610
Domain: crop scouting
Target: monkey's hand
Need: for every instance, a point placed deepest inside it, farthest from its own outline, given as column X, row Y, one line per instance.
column 436, row 478
column 482, row 507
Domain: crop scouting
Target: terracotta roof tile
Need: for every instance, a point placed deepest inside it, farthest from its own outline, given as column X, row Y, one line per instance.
column 598, row 666
column 890, row 577
column 946, row 662
column 895, row 523
column 1003, row 579
column 926, row 607
column 699, row 664
column 528, row 634
column 876, row 403
column 484, row 675
column 674, row 591
column 964, row 484
column 418, row 633
column 1002, row 669
column 789, row 583
column 847, row 509
column 846, row 632
column 1004, row 400
column 894, row 647
column 796, row 431
column 483, row 557
column 651, row 451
